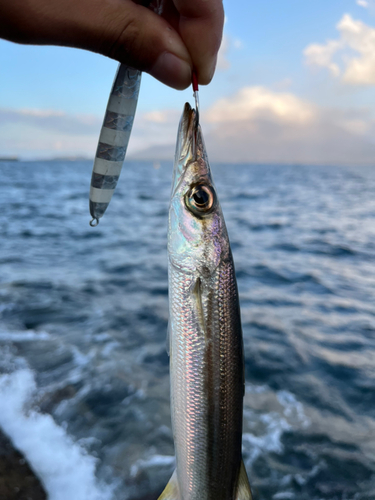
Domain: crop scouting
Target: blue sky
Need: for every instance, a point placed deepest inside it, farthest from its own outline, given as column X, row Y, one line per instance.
column 277, row 59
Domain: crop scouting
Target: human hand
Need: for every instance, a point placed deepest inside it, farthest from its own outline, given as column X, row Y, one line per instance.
column 186, row 36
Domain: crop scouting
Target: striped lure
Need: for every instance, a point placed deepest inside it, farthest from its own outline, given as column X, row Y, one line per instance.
column 114, row 139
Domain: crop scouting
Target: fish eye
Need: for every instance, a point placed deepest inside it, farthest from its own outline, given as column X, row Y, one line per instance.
column 200, row 199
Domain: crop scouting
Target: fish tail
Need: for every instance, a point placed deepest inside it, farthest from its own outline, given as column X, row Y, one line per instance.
column 243, row 490
column 171, row 491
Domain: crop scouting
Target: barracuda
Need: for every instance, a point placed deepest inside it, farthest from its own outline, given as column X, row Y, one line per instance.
column 205, row 336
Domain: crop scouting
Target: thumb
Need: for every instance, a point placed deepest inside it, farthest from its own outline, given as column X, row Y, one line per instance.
column 142, row 39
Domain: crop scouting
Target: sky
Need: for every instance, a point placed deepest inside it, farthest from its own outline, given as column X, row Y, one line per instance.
column 295, row 83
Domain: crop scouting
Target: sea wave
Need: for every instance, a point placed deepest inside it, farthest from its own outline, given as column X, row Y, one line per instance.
column 64, row 467
column 84, row 314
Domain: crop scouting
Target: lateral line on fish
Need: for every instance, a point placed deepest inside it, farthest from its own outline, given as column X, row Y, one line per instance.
column 197, row 294
column 212, row 372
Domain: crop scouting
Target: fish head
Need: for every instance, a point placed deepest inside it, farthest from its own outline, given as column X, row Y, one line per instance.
column 197, row 236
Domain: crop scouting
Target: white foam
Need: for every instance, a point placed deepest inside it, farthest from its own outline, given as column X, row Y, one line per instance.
column 63, row 466
column 152, row 461
column 256, row 389
column 8, row 361
column 284, row 495
column 23, row 336
column 254, row 446
column 292, row 407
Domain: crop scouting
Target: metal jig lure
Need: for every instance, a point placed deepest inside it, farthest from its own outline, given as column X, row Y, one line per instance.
column 114, row 139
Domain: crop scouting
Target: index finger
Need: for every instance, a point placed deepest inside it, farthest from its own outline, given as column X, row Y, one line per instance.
column 201, row 29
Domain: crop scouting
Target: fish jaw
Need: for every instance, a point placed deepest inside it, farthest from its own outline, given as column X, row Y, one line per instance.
column 184, row 143
column 197, row 243
column 190, row 147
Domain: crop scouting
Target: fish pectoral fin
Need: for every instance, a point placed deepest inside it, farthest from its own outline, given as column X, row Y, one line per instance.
column 197, row 295
column 171, row 491
column 243, row 491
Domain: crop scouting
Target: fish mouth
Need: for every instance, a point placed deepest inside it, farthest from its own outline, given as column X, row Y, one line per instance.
column 185, row 133
column 186, row 137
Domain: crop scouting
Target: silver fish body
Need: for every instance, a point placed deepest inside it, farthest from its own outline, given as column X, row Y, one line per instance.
column 205, row 336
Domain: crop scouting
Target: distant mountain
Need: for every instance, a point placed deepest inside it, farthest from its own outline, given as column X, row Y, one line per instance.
column 69, row 158
column 161, row 152
column 9, row 158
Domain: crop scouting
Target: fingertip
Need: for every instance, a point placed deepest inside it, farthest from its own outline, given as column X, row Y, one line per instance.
column 206, row 73
column 172, row 71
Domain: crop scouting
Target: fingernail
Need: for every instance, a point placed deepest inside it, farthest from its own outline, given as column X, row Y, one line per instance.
column 208, row 72
column 212, row 69
column 172, row 71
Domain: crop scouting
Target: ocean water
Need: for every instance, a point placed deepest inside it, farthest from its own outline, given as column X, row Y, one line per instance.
column 84, row 378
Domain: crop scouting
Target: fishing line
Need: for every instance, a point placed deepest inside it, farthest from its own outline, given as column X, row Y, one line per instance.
column 196, row 97
column 195, row 94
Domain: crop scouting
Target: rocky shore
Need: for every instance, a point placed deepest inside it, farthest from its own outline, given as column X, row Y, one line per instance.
column 17, row 480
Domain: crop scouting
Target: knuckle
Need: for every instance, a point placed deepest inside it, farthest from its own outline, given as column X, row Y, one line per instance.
column 127, row 40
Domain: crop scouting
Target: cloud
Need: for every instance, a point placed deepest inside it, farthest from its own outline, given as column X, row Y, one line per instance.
column 256, row 124
column 321, row 55
column 222, row 57
column 337, row 55
column 42, row 132
column 238, row 44
column 366, row 4
column 55, row 120
column 258, row 102
column 227, row 45
column 260, row 125
column 247, row 108
column 159, row 116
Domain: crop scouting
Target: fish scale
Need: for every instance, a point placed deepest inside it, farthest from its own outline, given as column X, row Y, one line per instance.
column 188, row 357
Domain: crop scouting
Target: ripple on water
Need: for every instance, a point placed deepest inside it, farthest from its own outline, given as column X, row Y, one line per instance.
column 83, row 313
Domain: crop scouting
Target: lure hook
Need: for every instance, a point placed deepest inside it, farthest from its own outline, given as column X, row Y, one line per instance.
column 94, row 222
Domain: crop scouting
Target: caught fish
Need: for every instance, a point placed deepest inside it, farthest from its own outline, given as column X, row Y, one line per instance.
column 205, row 336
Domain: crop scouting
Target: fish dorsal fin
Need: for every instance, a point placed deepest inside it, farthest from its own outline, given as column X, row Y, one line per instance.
column 171, row 491
column 243, row 491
